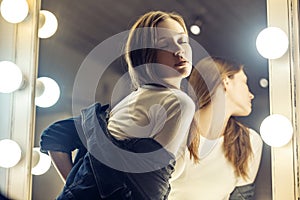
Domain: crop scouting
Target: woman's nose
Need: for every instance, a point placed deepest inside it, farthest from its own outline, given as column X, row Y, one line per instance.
column 251, row 95
column 179, row 53
column 178, row 50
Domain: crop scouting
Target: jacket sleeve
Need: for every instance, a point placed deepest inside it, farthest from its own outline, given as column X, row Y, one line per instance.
column 245, row 192
column 64, row 136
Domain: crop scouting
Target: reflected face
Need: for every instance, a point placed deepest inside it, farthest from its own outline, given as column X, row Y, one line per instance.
column 239, row 95
column 174, row 49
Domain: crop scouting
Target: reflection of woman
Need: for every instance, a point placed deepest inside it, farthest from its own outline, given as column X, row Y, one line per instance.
column 146, row 130
column 227, row 152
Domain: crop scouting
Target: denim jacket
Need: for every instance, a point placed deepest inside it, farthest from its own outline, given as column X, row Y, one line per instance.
column 92, row 178
column 245, row 192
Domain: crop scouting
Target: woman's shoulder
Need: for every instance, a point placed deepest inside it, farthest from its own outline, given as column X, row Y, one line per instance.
column 171, row 98
column 254, row 134
column 255, row 138
column 181, row 100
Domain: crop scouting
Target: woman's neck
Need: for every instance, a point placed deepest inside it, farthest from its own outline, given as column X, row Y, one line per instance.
column 212, row 121
column 174, row 82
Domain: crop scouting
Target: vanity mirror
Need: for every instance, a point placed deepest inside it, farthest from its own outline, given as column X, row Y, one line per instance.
column 228, row 29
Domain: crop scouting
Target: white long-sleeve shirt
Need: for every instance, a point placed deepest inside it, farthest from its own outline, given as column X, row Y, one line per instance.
column 160, row 113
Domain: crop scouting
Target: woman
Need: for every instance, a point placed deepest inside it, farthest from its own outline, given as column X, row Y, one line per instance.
column 132, row 148
column 225, row 153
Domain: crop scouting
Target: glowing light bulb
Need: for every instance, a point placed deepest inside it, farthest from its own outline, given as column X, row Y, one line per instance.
column 11, row 77
column 195, row 29
column 272, row 43
column 41, row 162
column 10, row 153
column 263, row 82
column 276, row 130
column 48, row 24
column 47, row 92
column 14, row 11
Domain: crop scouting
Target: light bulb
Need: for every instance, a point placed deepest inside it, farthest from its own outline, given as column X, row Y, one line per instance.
column 11, row 77
column 263, row 82
column 10, row 153
column 276, row 130
column 48, row 24
column 14, row 11
column 41, row 162
column 272, row 43
column 195, row 29
column 50, row 92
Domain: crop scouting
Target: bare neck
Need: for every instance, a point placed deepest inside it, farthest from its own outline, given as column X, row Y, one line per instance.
column 174, row 81
column 212, row 120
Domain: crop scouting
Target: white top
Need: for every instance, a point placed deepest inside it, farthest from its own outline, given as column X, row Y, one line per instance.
column 213, row 178
column 154, row 112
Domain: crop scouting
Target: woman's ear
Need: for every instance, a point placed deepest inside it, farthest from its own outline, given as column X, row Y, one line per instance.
column 225, row 82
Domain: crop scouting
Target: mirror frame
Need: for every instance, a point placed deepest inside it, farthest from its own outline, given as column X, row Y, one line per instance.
column 283, row 97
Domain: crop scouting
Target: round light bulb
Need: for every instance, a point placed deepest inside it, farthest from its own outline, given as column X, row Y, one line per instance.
column 48, row 24
column 11, row 77
column 14, row 11
column 41, row 162
column 50, row 92
column 10, row 153
column 276, row 130
column 195, row 29
column 263, row 82
column 272, row 43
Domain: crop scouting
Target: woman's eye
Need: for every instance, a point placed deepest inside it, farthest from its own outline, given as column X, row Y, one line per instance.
column 183, row 40
column 162, row 44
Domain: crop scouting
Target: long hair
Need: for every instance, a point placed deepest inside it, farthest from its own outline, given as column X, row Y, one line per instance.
column 204, row 80
column 139, row 49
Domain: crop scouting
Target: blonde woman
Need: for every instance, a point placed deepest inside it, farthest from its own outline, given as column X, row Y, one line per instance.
column 143, row 135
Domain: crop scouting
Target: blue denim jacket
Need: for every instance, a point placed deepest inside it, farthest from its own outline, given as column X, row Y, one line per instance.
column 245, row 192
column 90, row 178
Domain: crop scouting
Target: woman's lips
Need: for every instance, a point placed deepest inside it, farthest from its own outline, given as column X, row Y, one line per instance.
column 181, row 63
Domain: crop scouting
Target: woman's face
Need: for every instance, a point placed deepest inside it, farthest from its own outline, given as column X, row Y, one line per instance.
column 173, row 50
column 239, row 95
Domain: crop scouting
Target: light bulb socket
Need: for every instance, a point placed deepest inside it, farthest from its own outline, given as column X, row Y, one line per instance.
column 42, row 20
column 40, row 88
column 35, row 157
column 24, row 83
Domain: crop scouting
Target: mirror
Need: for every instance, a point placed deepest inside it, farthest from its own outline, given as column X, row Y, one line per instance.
column 229, row 29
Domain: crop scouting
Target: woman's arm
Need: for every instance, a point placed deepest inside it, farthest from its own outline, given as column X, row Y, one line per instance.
column 62, row 163
column 173, row 135
column 59, row 140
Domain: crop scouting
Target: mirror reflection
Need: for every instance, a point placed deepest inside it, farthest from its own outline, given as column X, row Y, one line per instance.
column 227, row 29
